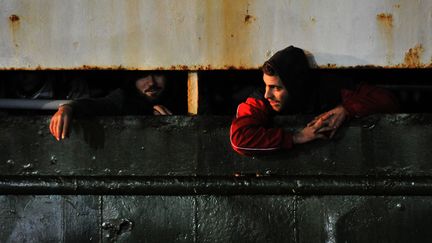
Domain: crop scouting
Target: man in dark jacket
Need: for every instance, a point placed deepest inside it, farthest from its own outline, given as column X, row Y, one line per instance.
column 143, row 96
column 290, row 89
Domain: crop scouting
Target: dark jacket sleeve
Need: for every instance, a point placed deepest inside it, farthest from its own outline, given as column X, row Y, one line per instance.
column 367, row 99
column 112, row 104
column 251, row 131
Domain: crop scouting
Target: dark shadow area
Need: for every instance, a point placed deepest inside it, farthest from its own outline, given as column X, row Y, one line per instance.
column 92, row 132
column 219, row 91
column 387, row 220
column 412, row 87
column 222, row 91
column 70, row 84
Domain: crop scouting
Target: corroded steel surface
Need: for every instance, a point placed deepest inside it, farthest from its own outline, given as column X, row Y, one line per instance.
column 209, row 34
column 257, row 184
column 388, row 145
column 215, row 218
column 175, row 179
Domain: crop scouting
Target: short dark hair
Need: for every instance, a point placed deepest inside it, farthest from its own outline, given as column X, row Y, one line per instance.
column 269, row 70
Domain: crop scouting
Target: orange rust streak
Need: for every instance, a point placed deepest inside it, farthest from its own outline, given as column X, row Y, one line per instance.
column 385, row 24
column 413, row 56
column 14, row 27
column 386, row 19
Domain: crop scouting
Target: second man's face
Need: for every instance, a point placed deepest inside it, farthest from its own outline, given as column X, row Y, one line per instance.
column 275, row 92
column 152, row 86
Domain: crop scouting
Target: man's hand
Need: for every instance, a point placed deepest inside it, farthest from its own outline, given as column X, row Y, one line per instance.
column 160, row 110
column 60, row 122
column 309, row 133
column 331, row 120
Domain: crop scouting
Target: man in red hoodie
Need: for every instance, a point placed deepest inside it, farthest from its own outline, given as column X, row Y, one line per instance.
column 291, row 89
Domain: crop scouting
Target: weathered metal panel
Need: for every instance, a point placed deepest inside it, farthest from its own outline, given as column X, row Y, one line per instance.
column 149, row 219
column 211, row 34
column 372, row 183
column 246, row 219
column 385, row 145
column 364, row 219
column 199, row 219
column 49, row 218
column 149, row 147
column 215, row 218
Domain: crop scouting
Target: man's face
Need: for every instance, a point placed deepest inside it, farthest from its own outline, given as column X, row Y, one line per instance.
column 275, row 92
column 152, row 86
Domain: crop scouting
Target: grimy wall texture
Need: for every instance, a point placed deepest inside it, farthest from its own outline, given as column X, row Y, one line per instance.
column 176, row 179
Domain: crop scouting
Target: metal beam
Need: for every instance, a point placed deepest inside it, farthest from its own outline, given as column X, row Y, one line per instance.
column 271, row 185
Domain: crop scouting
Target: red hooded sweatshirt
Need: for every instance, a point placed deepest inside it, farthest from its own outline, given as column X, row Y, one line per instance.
column 252, row 131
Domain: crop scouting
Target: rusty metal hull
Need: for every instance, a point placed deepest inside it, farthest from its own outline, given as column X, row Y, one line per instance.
column 210, row 34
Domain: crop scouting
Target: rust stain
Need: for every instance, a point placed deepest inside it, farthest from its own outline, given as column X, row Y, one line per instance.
column 330, row 65
column 176, row 67
column 249, row 19
column 385, row 25
column 413, row 57
column 14, row 18
column 411, row 53
column 91, row 67
column 14, row 24
column 386, row 19
column 208, row 67
column 397, row 66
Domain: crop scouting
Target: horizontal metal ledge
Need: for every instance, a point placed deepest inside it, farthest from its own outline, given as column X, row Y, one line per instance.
column 262, row 185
